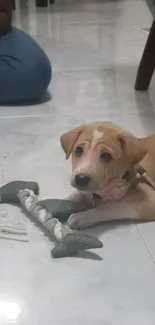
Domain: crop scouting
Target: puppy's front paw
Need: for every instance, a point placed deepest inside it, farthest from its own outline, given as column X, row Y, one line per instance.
column 78, row 221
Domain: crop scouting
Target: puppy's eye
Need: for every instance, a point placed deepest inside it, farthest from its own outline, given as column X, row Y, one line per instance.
column 106, row 157
column 79, row 151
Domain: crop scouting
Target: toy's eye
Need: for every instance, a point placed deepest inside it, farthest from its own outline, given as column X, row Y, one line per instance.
column 79, row 151
column 106, row 157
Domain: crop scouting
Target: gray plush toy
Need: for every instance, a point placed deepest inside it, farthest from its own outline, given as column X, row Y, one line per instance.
column 49, row 213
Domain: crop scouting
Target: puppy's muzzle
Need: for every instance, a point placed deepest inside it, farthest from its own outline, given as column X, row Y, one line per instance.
column 82, row 180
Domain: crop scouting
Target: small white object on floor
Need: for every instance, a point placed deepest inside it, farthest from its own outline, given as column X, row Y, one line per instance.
column 141, row 29
column 11, row 229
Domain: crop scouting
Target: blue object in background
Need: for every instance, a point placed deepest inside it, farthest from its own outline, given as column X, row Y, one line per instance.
column 25, row 70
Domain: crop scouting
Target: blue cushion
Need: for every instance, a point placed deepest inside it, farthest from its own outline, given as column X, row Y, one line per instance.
column 25, row 70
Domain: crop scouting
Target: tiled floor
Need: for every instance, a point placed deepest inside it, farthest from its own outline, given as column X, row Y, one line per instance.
column 95, row 48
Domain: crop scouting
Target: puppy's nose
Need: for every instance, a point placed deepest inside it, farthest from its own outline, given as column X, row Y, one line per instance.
column 82, row 180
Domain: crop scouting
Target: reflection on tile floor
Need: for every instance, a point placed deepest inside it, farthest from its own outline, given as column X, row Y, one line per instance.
column 95, row 48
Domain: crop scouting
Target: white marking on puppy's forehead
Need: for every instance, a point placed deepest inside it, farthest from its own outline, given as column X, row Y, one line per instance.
column 96, row 136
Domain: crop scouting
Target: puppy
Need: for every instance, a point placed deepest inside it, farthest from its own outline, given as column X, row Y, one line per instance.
column 106, row 160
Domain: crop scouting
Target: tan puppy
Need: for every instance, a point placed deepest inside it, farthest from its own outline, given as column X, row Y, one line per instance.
column 105, row 160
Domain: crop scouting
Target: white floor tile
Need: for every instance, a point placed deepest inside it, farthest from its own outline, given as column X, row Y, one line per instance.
column 95, row 49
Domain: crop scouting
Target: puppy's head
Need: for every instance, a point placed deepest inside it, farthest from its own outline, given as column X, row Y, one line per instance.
column 101, row 152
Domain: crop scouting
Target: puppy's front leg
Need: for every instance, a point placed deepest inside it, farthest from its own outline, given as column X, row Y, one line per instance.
column 101, row 213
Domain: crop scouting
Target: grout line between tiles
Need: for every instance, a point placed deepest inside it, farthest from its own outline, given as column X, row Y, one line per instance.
column 147, row 247
column 89, row 68
column 25, row 116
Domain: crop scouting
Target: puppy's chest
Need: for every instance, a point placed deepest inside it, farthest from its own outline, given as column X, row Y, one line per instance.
column 114, row 192
column 136, row 192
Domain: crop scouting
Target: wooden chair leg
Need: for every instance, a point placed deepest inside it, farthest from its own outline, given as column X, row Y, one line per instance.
column 147, row 63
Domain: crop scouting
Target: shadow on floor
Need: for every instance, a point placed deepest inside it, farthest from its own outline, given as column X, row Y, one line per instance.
column 46, row 98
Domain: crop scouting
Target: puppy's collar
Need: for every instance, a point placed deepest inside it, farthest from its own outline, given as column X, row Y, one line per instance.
column 116, row 191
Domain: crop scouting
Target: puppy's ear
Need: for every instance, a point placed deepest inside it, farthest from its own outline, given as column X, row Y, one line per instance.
column 69, row 139
column 133, row 148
